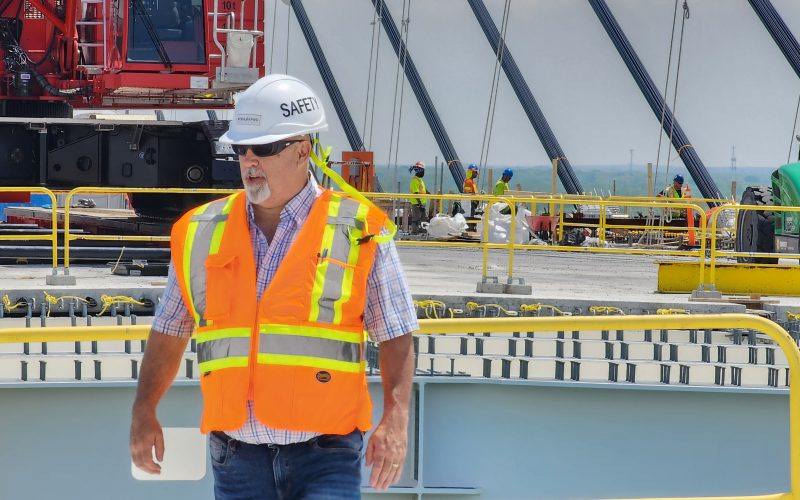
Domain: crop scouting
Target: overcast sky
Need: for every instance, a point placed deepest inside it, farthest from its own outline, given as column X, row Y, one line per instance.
column 735, row 89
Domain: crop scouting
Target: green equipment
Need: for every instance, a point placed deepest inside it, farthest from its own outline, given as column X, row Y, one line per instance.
column 770, row 230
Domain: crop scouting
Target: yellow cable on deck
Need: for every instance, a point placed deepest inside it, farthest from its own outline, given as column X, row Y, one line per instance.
column 8, row 306
column 793, row 316
column 474, row 306
column 672, row 311
column 55, row 300
column 606, row 310
column 538, row 307
column 109, row 300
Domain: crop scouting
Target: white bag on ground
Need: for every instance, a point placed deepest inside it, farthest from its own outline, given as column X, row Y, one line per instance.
column 442, row 225
column 500, row 225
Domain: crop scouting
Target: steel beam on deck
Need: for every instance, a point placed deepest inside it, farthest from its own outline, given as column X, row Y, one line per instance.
column 565, row 172
column 424, row 99
column 680, row 142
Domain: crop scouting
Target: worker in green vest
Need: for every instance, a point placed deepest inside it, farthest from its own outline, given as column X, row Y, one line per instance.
column 501, row 186
column 417, row 186
column 676, row 191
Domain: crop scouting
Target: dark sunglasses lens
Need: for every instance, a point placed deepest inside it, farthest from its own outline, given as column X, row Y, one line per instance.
column 270, row 149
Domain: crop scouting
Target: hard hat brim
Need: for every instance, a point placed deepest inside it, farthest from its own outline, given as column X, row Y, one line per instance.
column 231, row 137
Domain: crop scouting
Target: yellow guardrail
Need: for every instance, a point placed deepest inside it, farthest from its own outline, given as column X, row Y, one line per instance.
column 717, row 252
column 652, row 205
column 123, row 190
column 53, row 236
column 531, row 324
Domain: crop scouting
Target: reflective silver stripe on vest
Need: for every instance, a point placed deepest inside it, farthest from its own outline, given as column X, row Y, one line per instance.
column 300, row 345
column 346, row 221
column 339, row 251
column 223, row 348
column 206, row 217
column 200, row 250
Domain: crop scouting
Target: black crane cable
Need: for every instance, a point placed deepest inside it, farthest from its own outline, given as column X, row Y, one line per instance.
column 535, row 115
column 780, row 32
column 425, row 102
column 705, row 183
column 349, row 126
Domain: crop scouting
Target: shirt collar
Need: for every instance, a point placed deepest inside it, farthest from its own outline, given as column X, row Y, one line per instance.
column 297, row 208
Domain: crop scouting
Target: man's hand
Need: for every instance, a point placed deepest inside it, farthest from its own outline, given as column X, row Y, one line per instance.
column 146, row 433
column 386, row 450
column 160, row 362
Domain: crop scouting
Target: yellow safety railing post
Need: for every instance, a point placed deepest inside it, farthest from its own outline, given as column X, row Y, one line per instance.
column 53, row 236
column 107, row 190
column 511, row 231
column 485, row 243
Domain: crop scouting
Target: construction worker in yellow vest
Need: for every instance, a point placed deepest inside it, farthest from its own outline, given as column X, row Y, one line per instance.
column 676, row 191
column 501, row 186
column 279, row 284
column 417, row 186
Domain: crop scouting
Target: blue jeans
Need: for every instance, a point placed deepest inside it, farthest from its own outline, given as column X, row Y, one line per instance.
column 327, row 467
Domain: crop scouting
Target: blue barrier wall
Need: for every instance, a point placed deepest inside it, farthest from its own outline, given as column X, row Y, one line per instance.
column 506, row 439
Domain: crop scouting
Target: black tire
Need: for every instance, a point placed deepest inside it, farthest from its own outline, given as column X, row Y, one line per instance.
column 755, row 229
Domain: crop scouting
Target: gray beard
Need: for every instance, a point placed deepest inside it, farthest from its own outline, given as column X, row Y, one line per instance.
column 259, row 194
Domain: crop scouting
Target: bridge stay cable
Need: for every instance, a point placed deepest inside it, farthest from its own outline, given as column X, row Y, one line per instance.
column 694, row 165
column 523, row 92
column 424, row 99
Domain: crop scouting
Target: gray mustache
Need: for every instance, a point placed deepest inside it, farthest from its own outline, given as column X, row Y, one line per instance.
column 254, row 172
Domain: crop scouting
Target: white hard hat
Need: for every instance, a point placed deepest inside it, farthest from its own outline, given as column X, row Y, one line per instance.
column 274, row 108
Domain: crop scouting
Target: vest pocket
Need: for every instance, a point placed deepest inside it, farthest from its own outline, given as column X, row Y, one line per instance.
column 220, row 272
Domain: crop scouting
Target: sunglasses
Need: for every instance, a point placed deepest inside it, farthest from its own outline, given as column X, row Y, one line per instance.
column 263, row 150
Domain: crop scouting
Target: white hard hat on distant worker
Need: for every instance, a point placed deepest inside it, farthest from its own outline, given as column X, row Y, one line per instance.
column 276, row 107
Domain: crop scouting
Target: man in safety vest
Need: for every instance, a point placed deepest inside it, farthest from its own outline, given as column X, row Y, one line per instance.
column 470, row 187
column 281, row 334
column 501, row 186
column 676, row 191
column 417, row 186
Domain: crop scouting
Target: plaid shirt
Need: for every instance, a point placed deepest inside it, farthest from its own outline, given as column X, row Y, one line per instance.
column 388, row 312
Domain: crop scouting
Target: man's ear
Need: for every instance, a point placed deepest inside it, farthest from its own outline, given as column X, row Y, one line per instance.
column 304, row 152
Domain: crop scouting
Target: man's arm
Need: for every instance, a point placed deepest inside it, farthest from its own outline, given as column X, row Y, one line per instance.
column 160, row 363
column 386, row 451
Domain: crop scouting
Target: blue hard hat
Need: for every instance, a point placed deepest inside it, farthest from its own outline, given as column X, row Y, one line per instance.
column 508, row 172
column 472, row 166
column 678, row 178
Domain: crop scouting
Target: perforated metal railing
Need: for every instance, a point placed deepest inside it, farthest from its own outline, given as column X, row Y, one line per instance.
column 523, row 329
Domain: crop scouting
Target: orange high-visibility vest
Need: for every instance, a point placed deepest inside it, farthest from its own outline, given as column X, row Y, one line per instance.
column 298, row 354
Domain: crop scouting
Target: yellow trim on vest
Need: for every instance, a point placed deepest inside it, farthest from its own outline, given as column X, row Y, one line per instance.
column 222, row 333
column 187, row 261
column 309, row 361
column 322, row 163
column 219, row 229
column 352, row 260
column 322, row 262
column 219, row 364
column 312, row 331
